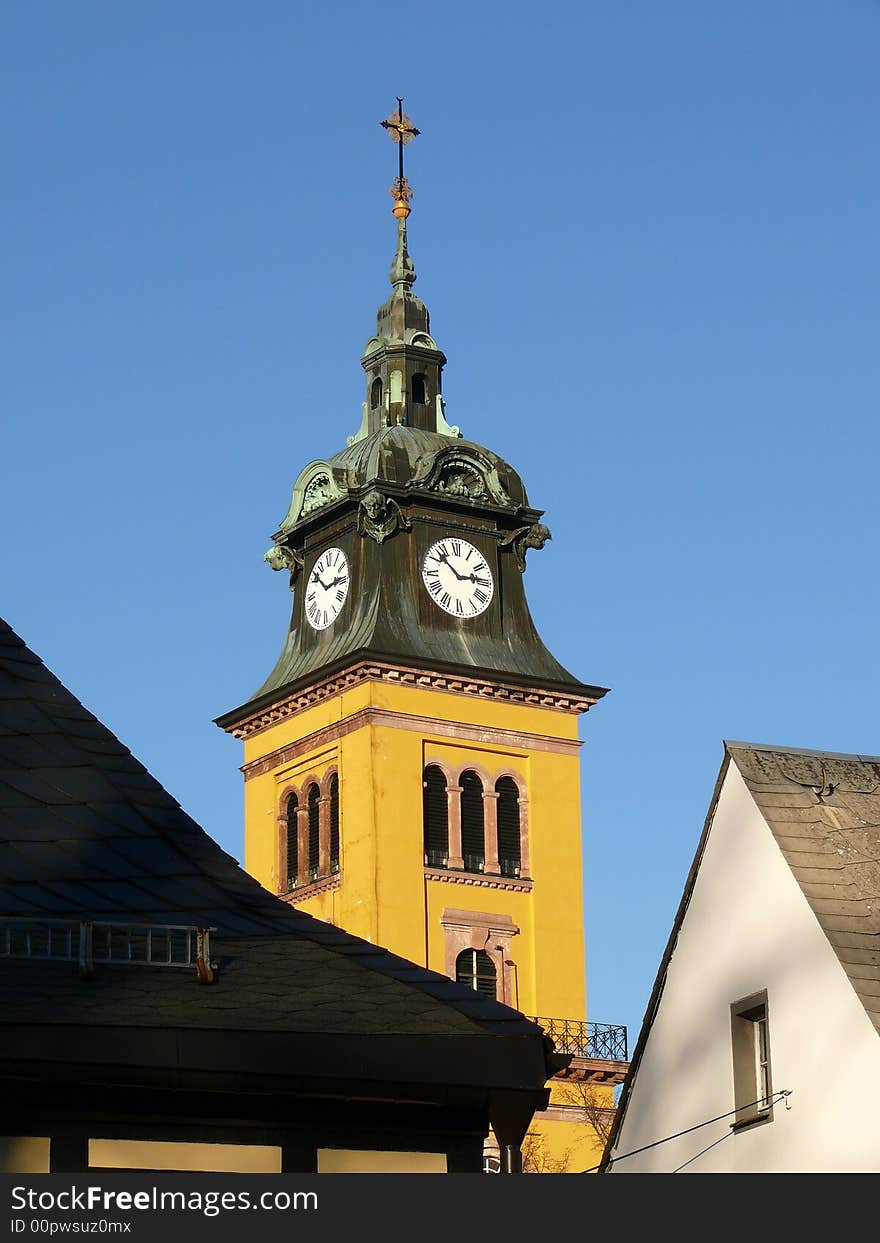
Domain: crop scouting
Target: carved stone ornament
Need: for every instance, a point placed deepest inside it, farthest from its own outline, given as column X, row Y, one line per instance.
column 519, row 541
column 314, row 488
column 317, row 493
column 380, row 516
column 281, row 557
column 461, row 473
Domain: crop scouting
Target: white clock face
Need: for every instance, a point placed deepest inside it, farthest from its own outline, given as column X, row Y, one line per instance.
column 457, row 576
column 326, row 588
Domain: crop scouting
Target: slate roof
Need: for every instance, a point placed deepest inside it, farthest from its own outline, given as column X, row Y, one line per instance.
column 86, row 831
column 823, row 809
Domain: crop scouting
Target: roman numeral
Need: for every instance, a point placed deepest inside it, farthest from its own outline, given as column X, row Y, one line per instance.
column 456, row 548
column 310, row 597
column 459, row 610
column 443, row 550
column 432, row 573
column 484, row 582
column 446, row 598
column 481, row 596
column 481, row 566
column 340, row 596
column 434, row 588
column 467, row 555
column 324, row 617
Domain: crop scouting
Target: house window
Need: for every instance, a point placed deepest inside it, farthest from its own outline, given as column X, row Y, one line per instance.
column 314, row 830
column 376, row 394
column 473, row 829
column 509, row 847
column 476, row 969
column 419, row 390
column 334, row 823
column 752, row 1083
column 292, row 840
column 435, row 816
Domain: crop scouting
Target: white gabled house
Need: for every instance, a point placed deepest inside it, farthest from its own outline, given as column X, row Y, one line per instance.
column 770, row 981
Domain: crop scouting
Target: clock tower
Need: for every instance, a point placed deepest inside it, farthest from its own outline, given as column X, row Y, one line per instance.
column 411, row 762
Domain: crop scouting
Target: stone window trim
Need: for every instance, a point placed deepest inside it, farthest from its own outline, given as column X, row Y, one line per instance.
column 486, row 931
column 453, row 774
column 752, row 1073
column 300, row 791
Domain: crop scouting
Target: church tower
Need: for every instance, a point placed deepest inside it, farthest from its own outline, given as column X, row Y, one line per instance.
column 411, row 762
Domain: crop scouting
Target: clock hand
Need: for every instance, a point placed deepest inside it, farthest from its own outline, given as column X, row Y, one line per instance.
column 462, row 578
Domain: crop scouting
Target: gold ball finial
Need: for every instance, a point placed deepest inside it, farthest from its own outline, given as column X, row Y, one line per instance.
column 401, row 191
column 401, row 130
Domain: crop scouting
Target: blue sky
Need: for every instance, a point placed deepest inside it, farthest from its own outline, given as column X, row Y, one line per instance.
column 649, row 243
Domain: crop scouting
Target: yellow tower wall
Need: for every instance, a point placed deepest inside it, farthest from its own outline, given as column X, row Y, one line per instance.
column 379, row 735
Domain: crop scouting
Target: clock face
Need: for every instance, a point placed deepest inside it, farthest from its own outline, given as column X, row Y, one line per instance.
column 457, row 576
column 326, row 588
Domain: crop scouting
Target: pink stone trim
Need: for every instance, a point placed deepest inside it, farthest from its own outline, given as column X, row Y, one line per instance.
column 312, row 890
column 289, row 706
column 479, row 879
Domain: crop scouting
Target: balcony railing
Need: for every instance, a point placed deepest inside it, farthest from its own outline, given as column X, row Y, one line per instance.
column 596, row 1040
column 92, row 942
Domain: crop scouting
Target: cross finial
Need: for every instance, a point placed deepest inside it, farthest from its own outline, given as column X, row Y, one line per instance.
column 401, row 130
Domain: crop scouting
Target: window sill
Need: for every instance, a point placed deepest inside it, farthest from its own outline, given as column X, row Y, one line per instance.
column 323, row 884
column 748, row 1124
column 482, row 880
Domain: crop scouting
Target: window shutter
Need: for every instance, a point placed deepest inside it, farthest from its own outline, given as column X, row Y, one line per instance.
column 292, row 840
column 314, row 795
column 435, row 815
column 509, row 857
column 476, row 970
column 334, row 823
column 473, row 834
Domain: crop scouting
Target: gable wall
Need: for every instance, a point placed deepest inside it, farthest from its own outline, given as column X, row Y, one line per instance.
column 748, row 927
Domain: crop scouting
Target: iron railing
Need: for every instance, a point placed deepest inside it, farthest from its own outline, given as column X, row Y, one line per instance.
column 599, row 1040
column 93, row 941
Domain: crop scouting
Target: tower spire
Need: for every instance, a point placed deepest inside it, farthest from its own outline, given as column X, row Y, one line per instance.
column 402, row 362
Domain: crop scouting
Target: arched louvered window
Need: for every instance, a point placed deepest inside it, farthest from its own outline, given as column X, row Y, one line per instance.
column 376, row 394
column 509, row 856
column 473, row 831
column 477, row 970
column 314, row 834
column 292, row 840
column 419, row 390
column 435, row 817
column 334, row 823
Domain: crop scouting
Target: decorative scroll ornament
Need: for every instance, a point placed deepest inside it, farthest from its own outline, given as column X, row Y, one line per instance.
column 524, row 538
column 380, row 517
column 315, row 487
column 461, row 473
column 281, row 557
column 318, row 492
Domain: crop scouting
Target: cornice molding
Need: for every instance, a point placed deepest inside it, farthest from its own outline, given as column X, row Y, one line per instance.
column 479, row 880
column 435, row 727
column 324, row 884
column 403, row 675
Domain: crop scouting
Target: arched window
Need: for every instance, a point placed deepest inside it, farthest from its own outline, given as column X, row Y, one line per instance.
column 419, row 390
column 292, row 840
column 435, row 817
column 473, row 832
column 334, row 823
column 477, row 970
column 376, row 394
column 314, row 834
column 509, row 855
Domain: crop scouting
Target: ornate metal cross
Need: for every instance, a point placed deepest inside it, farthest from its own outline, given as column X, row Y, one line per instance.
column 401, row 130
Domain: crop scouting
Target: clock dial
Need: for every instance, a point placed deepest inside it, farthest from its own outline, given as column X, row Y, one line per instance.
column 326, row 588
column 457, row 577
